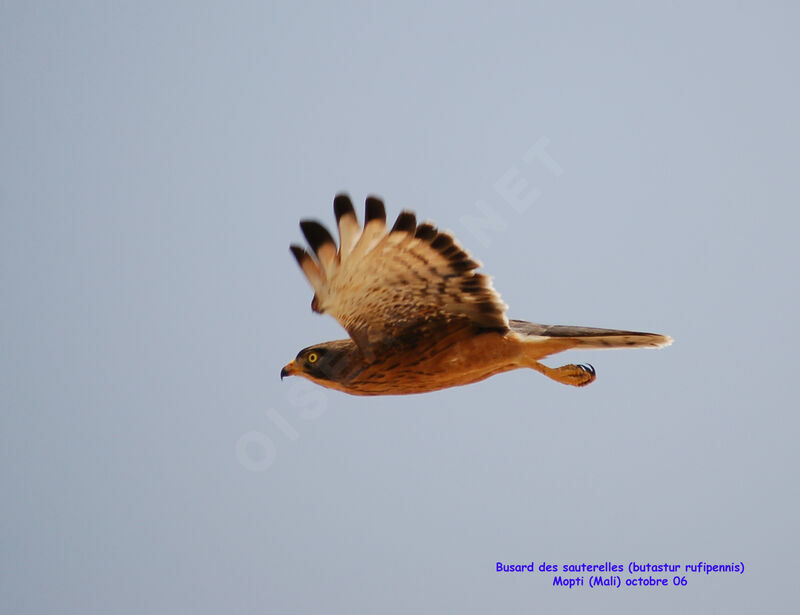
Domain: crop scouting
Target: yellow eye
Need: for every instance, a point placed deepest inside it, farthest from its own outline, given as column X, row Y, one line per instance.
column 312, row 357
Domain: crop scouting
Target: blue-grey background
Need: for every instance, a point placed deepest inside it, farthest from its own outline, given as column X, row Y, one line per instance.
column 155, row 161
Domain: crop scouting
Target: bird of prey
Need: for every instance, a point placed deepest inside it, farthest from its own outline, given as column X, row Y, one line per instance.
column 419, row 317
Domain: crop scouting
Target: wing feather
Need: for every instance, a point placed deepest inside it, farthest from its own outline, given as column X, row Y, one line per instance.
column 374, row 229
column 323, row 245
column 383, row 284
column 310, row 268
column 349, row 228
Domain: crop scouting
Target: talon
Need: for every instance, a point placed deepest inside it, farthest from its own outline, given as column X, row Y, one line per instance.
column 588, row 368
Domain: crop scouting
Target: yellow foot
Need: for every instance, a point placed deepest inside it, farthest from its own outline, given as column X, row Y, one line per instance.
column 573, row 375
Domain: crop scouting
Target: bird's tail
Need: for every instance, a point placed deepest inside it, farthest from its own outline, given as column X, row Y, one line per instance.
column 590, row 337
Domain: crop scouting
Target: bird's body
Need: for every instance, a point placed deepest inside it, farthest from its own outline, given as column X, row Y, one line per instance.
column 420, row 319
column 457, row 356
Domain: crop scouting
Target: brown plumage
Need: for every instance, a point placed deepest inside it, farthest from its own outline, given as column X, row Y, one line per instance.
column 419, row 317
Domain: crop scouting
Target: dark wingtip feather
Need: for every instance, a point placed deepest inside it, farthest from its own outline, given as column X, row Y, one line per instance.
column 454, row 253
column 299, row 254
column 316, row 234
column 342, row 205
column 426, row 232
column 374, row 210
column 442, row 242
column 406, row 222
column 464, row 265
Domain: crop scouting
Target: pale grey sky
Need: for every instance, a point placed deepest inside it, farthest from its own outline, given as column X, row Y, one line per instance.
column 155, row 162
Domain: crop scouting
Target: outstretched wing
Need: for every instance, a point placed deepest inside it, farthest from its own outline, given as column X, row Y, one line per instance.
column 380, row 285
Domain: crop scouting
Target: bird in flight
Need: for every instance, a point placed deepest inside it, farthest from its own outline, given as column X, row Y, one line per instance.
column 419, row 317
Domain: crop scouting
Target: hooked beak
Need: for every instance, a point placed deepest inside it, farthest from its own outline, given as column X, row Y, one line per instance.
column 288, row 370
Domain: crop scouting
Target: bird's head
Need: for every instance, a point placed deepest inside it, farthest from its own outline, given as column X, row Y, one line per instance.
column 325, row 363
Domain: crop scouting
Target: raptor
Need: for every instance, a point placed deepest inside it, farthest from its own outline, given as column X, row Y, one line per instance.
column 418, row 315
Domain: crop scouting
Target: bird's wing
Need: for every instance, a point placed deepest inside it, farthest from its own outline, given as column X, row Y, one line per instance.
column 382, row 284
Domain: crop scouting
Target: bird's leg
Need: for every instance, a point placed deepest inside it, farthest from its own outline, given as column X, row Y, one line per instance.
column 574, row 375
